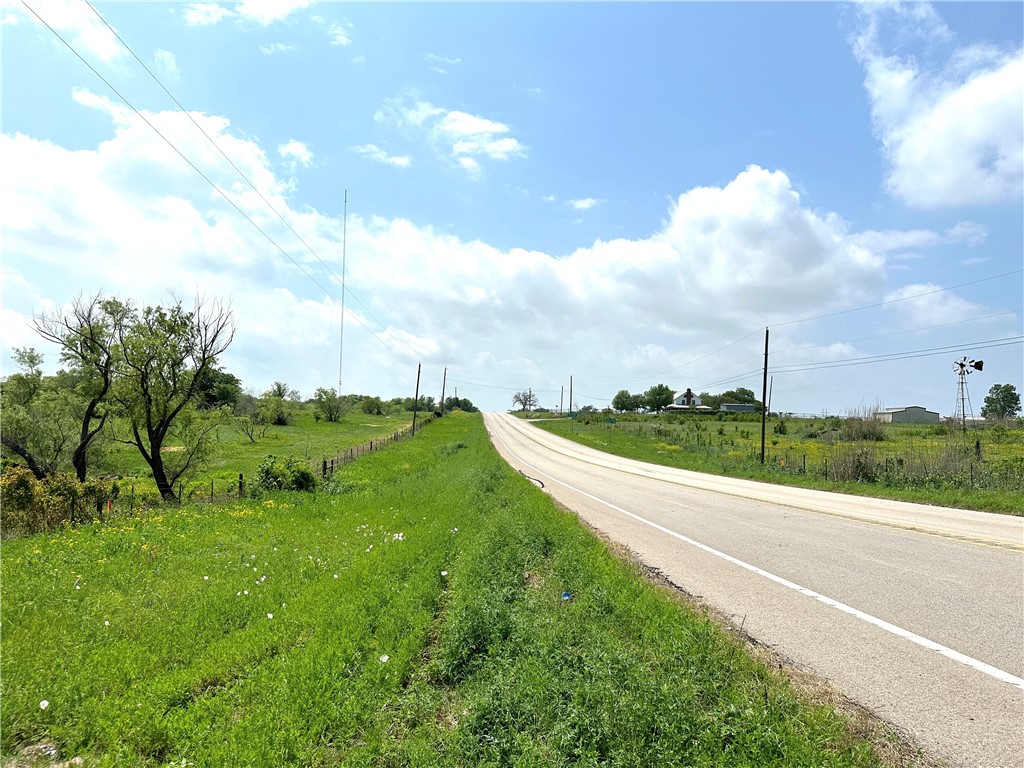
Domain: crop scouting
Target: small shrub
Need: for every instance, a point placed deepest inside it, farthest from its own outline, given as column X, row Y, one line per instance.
column 289, row 474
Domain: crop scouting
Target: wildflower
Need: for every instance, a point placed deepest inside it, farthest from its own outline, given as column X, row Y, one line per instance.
column 398, row 537
column 206, row 578
column 245, row 591
column 444, row 573
column 44, row 704
column 106, row 623
column 384, row 659
column 335, row 575
column 270, row 615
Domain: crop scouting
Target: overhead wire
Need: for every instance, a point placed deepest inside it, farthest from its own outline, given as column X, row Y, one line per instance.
column 208, row 180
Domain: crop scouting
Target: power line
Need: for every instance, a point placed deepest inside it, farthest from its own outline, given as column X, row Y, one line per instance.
column 207, row 178
column 241, row 173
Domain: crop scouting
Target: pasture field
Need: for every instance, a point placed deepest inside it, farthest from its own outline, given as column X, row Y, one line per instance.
column 233, row 453
column 927, row 464
column 429, row 608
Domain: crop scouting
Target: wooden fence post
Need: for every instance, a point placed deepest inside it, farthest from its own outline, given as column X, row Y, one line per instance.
column 241, row 485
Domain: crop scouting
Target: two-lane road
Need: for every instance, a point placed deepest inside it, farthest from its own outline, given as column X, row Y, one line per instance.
column 914, row 612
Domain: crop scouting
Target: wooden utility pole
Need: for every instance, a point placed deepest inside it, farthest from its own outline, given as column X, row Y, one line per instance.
column 416, row 402
column 444, row 381
column 764, row 394
column 570, row 395
column 561, row 396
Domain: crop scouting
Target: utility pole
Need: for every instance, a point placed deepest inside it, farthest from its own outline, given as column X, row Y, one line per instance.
column 444, row 381
column 561, row 395
column 344, row 239
column 529, row 398
column 416, row 402
column 570, row 395
column 764, row 394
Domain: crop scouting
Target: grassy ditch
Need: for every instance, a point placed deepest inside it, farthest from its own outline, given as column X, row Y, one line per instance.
column 435, row 609
column 927, row 464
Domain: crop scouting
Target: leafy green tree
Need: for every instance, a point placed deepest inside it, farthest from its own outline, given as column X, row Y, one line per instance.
column 217, row 388
column 163, row 353
column 1001, row 402
column 328, row 404
column 281, row 390
column 40, row 432
column 372, row 405
column 624, row 402
column 658, row 397
column 452, row 403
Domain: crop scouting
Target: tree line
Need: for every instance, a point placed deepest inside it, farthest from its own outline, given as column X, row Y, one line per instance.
column 148, row 377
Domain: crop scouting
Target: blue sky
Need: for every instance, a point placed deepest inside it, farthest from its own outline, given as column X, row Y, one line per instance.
column 627, row 194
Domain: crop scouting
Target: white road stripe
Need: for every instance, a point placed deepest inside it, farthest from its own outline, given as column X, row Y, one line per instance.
column 906, row 634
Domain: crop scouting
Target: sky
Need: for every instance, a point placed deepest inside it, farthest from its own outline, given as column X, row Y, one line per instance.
column 532, row 196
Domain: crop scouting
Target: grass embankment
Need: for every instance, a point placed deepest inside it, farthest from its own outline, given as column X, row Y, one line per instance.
column 416, row 617
column 912, row 462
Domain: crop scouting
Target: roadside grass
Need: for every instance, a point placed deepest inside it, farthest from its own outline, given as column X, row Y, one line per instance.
column 415, row 616
column 949, row 475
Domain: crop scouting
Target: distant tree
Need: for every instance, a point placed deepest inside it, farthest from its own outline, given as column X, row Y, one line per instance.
column 525, row 400
column 281, row 390
column 372, row 405
column 425, row 403
column 1001, row 402
column 462, row 404
column 328, row 404
column 658, row 397
column 217, row 388
column 624, row 402
column 40, row 431
column 163, row 353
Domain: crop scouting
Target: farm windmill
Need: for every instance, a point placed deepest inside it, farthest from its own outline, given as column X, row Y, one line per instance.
column 963, row 368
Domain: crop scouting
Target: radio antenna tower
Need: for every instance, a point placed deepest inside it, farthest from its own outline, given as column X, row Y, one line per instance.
column 341, row 342
column 963, row 368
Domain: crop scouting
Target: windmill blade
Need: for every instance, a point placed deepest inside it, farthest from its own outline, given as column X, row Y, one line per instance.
column 977, row 364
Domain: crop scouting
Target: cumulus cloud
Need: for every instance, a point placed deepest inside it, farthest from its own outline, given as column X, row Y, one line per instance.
column 465, row 138
column 885, row 241
column 205, row 14
column 952, row 135
column 297, row 152
column 129, row 216
column 919, row 305
column 583, row 204
column 373, row 152
column 266, row 12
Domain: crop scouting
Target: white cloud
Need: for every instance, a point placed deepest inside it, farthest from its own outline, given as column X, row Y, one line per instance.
column 887, row 241
column 75, row 21
column 726, row 260
column 443, row 59
column 205, row 14
column 338, row 35
column 952, row 136
column 467, row 138
column 272, row 48
column 919, row 305
column 583, row 204
column 373, row 152
column 166, row 63
column 297, row 152
column 266, row 12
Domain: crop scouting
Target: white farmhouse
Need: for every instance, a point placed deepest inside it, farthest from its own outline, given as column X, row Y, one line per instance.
column 685, row 399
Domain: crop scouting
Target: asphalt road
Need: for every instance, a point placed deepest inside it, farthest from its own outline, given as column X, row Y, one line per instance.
column 914, row 612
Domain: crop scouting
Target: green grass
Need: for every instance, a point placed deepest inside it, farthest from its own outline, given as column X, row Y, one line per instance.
column 413, row 618
column 235, row 454
column 948, row 471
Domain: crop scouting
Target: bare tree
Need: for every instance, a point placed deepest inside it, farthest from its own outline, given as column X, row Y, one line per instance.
column 525, row 400
column 87, row 335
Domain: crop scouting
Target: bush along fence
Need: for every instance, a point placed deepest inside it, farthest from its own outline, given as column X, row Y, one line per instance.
column 32, row 506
